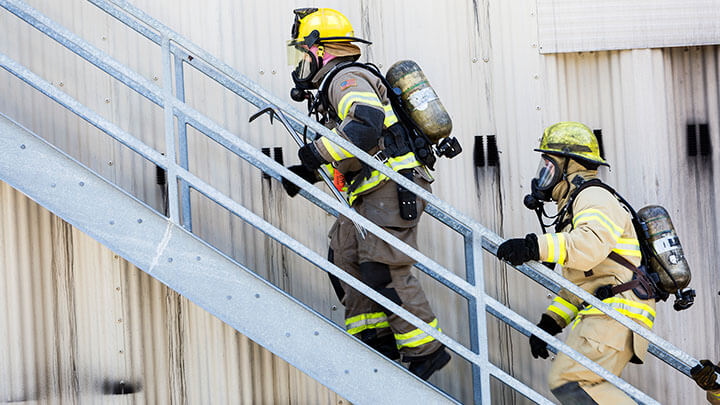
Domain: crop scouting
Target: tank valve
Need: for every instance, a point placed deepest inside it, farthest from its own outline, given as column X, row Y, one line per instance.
column 684, row 299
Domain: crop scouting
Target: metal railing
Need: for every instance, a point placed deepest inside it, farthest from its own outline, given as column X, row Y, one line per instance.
column 176, row 53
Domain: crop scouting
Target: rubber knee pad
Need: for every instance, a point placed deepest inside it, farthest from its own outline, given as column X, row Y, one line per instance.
column 377, row 276
column 572, row 394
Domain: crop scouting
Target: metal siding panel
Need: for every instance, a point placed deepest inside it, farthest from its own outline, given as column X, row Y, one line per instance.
column 491, row 79
column 571, row 26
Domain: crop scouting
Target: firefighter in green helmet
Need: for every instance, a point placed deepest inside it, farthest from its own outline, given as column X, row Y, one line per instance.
column 596, row 245
column 354, row 104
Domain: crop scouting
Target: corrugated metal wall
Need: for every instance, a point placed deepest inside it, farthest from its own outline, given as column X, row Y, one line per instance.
column 81, row 325
column 482, row 58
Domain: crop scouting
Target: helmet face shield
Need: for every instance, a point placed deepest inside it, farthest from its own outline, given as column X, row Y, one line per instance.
column 302, row 59
column 548, row 174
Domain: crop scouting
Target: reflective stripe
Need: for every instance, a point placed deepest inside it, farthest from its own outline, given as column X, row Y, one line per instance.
column 565, row 309
column 628, row 247
column 337, row 152
column 595, row 215
column 415, row 337
column 633, row 309
column 365, row 97
column 390, row 117
column 715, row 394
column 359, row 323
column 406, row 161
column 556, row 247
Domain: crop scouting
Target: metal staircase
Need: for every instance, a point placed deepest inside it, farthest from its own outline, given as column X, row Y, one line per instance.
column 166, row 248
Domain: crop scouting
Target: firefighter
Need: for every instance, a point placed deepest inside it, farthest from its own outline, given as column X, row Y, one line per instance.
column 705, row 375
column 354, row 105
column 596, row 245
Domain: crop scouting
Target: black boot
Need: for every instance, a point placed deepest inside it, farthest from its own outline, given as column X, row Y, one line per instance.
column 425, row 366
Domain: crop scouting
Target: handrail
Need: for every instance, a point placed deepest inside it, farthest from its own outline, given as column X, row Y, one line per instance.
column 476, row 235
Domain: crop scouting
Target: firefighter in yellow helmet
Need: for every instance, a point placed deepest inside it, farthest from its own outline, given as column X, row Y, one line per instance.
column 596, row 245
column 705, row 375
column 354, row 103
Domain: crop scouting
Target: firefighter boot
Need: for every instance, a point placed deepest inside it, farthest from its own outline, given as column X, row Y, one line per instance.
column 425, row 366
column 386, row 346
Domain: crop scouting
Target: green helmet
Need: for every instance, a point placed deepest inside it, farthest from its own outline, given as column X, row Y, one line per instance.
column 573, row 140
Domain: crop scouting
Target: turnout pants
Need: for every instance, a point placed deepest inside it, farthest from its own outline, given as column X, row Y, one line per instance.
column 386, row 270
column 604, row 341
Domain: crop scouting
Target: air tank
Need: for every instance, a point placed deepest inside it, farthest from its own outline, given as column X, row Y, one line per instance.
column 668, row 259
column 420, row 100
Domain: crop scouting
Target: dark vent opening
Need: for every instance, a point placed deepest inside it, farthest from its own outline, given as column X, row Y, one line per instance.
column 691, row 140
column 266, row 152
column 479, row 152
column 705, row 144
column 278, row 155
column 493, row 158
column 598, row 135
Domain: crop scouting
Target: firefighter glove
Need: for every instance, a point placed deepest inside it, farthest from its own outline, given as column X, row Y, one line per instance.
column 538, row 347
column 520, row 250
column 311, row 176
column 310, row 157
column 705, row 375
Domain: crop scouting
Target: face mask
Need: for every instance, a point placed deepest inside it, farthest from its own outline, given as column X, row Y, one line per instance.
column 548, row 175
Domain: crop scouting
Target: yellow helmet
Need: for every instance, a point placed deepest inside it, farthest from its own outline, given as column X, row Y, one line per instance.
column 573, row 140
column 314, row 25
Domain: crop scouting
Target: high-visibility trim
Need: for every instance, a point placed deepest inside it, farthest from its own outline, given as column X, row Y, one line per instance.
column 415, row 337
column 406, row 161
column 565, row 309
column 556, row 248
column 390, row 117
column 595, row 215
column 337, row 152
column 365, row 97
column 628, row 247
column 359, row 323
column 633, row 309
column 715, row 394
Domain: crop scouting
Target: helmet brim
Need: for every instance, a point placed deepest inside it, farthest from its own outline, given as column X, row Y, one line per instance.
column 581, row 158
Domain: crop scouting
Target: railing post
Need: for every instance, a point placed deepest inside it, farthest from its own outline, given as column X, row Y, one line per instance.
column 182, row 142
column 478, row 317
column 170, row 156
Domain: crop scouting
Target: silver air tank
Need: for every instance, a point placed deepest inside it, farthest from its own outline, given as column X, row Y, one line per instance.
column 669, row 260
column 420, row 100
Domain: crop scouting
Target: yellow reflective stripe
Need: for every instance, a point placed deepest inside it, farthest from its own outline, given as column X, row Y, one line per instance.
column 565, row 309
column 551, row 247
column 359, row 323
column 329, row 170
column 406, row 161
column 334, row 150
column 715, row 394
column 415, row 337
column 628, row 247
column 636, row 310
column 595, row 215
column 348, row 99
column 556, row 248
column 390, row 117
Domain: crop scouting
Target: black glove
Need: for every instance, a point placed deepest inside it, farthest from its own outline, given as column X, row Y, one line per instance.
column 538, row 347
column 310, row 157
column 705, row 375
column 311, row 176
column 518, row 251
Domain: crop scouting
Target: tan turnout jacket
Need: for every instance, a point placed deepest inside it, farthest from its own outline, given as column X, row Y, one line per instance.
column 600, row 225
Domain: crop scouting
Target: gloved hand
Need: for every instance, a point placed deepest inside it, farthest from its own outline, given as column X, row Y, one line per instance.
column 518, row 251
column 704, row 375
column 310, row 157
column 311, row 176
column 538, row 347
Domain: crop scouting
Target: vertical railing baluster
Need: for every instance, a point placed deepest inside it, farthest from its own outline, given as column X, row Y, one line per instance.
column 170, row 155
column 480, row 321
column 182, row 142
column 472, row 317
